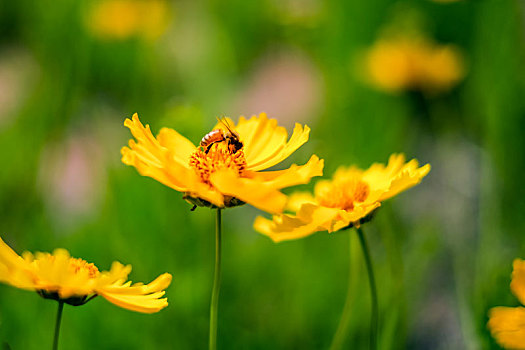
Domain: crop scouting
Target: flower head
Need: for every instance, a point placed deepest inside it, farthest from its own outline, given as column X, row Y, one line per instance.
column 74, row 281
column 224, row 171
column 348, row 199
column 413, row 63
column 507, row 324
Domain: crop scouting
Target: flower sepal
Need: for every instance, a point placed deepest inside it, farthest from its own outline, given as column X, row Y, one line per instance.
column 73, row 300
column 229, row 202
column 361, row 221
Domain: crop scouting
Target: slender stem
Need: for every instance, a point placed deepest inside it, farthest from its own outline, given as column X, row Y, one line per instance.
column 57, row 324
column 216, row 283
column 373, row 290
column 340, row 333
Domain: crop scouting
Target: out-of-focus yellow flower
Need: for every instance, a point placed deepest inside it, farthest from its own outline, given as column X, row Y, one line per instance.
column 413, row 63
column 507, row 324
column 74, row 281
column 346, row 200
column 123, row 19
column 221, row 175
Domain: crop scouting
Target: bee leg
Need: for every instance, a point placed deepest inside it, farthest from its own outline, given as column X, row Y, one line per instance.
column 194, row 207
column 230, row 148
column 208, row 148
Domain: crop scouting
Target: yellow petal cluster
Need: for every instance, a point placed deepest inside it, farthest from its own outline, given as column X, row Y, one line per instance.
column 347, row 199
column 413, row 63
column 74, row 281
column 223, row 177
column 507, row 324
column 124, row 19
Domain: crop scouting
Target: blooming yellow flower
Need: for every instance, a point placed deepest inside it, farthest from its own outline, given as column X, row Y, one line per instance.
column 507, row 324
column 74, row 281
column 123, row 19
column 221, row 175
column 346, row 200
column 403, row 63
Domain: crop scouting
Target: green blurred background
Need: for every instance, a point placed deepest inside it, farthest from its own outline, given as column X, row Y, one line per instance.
column 443, row 251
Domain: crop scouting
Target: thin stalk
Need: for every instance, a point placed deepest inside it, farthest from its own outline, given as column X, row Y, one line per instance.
column 373, row 290
column 216, row 283
column 340, row 333
column 57, row 324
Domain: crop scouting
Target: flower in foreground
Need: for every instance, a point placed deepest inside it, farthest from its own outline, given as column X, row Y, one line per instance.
column 413, row 63
column 347, row 200
column 221, row 174
column 507, row 324
column 74, row 281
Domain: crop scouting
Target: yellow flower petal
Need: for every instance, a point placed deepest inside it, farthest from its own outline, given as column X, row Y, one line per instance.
column 262, row 137
column 507, row 325
column 265, row 142
column 9, row 258
column 13, row 269
column 256, row 193
column 310, row 219
column 172, row 140
column 148, row 304
column 139, row 297
column 159, row 284
column 295, row 175
column 154, row 160
column 517, row 285
column 297, row 199
column 408, row 177
column 299, row 138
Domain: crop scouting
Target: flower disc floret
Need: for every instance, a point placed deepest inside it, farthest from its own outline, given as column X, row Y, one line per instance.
column 218, row 158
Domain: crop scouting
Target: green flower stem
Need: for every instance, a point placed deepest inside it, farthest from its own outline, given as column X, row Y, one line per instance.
column 344, row 322
column 216, row 283
column 373, row 290
column 57, row 324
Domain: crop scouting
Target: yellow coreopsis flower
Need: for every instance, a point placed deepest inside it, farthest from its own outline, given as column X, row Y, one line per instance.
column 507, row 324
column 224, row 171
column 74, row 281
column 123, row 19
column 346, row 200
column 413, row 63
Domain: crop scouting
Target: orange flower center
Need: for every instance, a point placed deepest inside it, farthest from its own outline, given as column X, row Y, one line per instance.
column 78, row 265
column 344, row 194
column 218, row 157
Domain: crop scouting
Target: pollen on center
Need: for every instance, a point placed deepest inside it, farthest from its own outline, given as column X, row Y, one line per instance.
column 344, row 195
column 78, row 265
column 218, row 157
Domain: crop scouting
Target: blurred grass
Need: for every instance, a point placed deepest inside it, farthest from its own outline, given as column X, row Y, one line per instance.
column 443, row 251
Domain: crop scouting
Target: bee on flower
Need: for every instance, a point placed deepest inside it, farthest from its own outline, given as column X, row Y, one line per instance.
column 225, row 169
